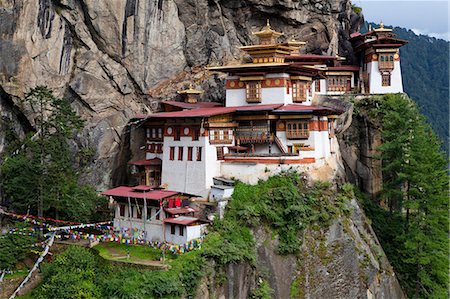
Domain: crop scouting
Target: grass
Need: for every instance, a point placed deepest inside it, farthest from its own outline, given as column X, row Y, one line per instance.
column 118, row 252
column 15, row 274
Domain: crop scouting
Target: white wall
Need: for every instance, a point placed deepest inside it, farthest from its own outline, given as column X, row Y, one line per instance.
column 375, row 79
column 269, row 95
column 193, row 177
column 190, row 233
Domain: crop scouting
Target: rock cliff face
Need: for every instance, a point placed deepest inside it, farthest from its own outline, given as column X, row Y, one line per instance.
column 112, row 59
column 342, row 261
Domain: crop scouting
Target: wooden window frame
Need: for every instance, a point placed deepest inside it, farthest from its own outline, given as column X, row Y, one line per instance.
column 220, row 153
column 386, row 79
column 199, row 153
column 297, row 129
column 180, row 153
column 176, row 133
column 299, row 91
column 253, row 91
column 386, row 61
column 189, row 153
column 172, row 153
column 317, row 86
column 181, row 230
column 195, row 133
column 154, row 133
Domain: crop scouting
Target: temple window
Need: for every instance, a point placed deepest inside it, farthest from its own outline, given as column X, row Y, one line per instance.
column 386, row 61
column 196, row 133
column 220, row 136
column 189, row 153
column 199, row 153
column 317, row 86
column 122, row 210
column 299, row 91
column 386, row 79
column 297, row 129
column 219, row 153
column 172, row 229
column 253, row 91
column 180, row 153
column 172, row 153
column 339, row 83
column 154, row 133
column 176, row 135
column 157, row 213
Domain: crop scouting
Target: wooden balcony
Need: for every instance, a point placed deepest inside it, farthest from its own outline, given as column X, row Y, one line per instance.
column 299, row 134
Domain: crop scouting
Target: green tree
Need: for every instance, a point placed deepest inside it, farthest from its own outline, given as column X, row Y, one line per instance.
column 41, row 176
column 415, row 231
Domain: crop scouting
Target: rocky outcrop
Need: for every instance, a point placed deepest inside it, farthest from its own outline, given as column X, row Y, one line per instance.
column 344, row 260
column 112, row 59
column 358, row 144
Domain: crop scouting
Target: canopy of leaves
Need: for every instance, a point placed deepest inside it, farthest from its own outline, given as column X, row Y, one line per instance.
column 285, row 204
column 411, row 219
column 81, row 273
column 42, row 173
column 13, row 248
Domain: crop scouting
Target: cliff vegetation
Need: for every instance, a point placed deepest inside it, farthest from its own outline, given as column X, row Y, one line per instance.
column 410, row 215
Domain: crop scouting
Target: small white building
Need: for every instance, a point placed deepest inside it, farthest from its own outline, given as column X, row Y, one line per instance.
column 144, row 213
column 379, row 58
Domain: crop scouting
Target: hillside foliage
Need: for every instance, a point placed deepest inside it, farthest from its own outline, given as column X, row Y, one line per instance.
column 38, row 177
column 411, row 216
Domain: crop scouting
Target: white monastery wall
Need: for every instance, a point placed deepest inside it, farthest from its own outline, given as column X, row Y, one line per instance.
column 375, row 83
column 185, row 176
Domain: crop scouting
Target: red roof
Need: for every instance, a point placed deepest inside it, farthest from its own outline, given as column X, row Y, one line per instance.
column 310, row 56
column 182, row 220
column 124, row 191
column 176, row 211
column 145, row 162
column 206, row 112
column 268, row 107
column 200, row 112
column 143, row 188
column 301, row 108
column 184, row 105
column 353, row 68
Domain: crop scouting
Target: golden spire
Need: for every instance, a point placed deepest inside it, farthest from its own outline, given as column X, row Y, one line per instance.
column 190, row 95
column 267, row 35
column 382, row 28
column 190, row 90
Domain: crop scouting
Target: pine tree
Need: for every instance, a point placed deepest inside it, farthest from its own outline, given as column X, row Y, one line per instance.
column 41, row 176
column 416, row 187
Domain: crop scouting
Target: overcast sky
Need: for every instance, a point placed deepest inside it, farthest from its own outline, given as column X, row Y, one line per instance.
column 423, row 17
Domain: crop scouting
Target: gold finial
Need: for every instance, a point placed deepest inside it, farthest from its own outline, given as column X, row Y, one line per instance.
column 268, row 24
column 381, row 28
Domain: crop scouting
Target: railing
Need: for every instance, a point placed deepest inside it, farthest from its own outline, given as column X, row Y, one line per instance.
column 281, row 145
column 254, row 133
column 299, row 134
